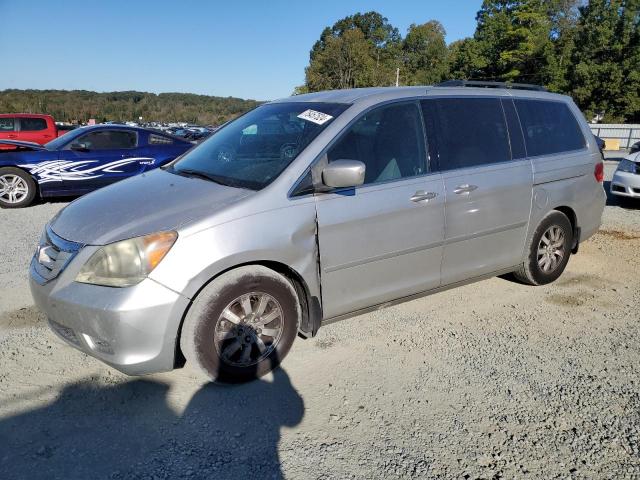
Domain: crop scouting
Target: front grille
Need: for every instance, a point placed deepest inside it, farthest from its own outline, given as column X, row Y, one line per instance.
column 53, row 254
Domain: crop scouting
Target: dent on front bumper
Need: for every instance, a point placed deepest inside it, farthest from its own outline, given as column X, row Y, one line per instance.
column 133, row 329
column 625, row 184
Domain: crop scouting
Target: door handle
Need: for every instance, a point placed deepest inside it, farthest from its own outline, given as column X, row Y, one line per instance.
column 466, row 188
column 421, row 195
column 12, row 136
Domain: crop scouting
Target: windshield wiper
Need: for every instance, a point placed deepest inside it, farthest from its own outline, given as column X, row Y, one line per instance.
column 198, row 174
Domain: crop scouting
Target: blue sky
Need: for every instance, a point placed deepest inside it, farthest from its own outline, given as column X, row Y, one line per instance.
column 250, row 49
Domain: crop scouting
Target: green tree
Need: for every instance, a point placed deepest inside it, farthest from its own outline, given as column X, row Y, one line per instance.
column 425, row 54
column 465, row 61
column 346, row 61
column 588, row 49
column 375, row 28
column 81, row 105
column 563, row 15
column 514, row 39
column 367, row 34
column 605, row 71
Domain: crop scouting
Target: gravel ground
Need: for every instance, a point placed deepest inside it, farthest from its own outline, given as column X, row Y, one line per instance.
column 492, row 380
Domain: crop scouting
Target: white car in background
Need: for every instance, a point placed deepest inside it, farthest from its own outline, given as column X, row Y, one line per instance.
column 626, row 179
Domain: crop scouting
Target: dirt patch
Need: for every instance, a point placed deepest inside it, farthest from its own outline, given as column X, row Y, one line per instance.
column 572, row 280
column 565, row 300
column 22, row 317
column 323, row 344
column 619, row 235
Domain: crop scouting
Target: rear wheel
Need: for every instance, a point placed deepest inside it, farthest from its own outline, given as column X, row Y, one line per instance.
column 241, row 325
column 548, row 250
column 17, row 188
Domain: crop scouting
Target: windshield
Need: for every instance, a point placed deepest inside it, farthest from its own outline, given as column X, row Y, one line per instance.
column 253, row 150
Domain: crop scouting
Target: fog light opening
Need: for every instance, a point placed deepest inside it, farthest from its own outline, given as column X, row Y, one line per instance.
column 97, row 344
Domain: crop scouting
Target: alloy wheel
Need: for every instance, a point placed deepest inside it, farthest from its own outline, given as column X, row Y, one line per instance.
column 13, row 188
column 551, row 249
column 249, row 329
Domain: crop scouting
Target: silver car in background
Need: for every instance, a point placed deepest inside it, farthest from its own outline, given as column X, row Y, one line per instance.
column 316, row 208
column 626, row 178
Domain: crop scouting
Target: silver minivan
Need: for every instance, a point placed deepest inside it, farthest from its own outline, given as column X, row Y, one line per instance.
column 316, row 208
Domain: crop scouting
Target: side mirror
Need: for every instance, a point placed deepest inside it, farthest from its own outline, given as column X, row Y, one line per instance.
column 343, row 174
column 79, row 146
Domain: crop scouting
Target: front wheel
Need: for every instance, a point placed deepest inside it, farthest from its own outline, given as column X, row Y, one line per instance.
column 241, row 325
column 548, row 250
column 17, row 188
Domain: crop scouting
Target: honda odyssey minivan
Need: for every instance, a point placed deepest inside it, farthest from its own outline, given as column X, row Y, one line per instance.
column 316, row 208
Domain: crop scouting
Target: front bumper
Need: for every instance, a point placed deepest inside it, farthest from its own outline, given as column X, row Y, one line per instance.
column 625, row 184
column 133, row 329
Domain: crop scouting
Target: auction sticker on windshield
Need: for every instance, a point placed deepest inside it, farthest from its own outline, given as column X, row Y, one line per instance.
column 315, row 116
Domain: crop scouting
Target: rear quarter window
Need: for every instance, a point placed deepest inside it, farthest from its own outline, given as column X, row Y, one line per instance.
column 549, row 127
column 7, row 124
column 33, row 124
column 159, row 140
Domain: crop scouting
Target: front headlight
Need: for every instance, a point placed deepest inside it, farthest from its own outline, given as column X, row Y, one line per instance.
column 125, row 263
column 626, row 165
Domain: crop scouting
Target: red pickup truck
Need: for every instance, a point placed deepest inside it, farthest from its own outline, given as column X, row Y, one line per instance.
column 28, row 127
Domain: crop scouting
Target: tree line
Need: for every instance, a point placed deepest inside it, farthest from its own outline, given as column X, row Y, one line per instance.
column 589, row 50
column 78, row 106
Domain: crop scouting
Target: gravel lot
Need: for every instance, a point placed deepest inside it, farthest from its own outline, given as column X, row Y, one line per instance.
column 491, row 380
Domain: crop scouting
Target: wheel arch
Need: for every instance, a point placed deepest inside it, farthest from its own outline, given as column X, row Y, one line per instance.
column 309, row 305
column 573, row 219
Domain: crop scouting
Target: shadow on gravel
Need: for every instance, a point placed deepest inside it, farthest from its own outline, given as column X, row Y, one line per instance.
column 66, row 199
column 129, row 430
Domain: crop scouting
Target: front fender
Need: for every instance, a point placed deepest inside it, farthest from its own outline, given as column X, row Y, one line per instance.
column 284, row 235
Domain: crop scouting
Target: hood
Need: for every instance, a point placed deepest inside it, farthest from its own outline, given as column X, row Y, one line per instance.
column 22, row 145
column 144, row 204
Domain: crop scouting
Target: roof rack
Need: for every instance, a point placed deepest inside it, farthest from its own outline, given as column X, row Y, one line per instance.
column 484, row 84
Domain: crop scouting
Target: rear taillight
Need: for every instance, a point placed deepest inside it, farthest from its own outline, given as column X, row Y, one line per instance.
column 598, row 172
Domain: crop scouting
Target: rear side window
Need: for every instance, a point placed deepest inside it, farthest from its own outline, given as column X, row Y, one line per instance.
column 389, row 140
column 159, row 140
column 33, row 124
column 7, row 124
column 466, row 132
column 548, row 127
column 109, row 140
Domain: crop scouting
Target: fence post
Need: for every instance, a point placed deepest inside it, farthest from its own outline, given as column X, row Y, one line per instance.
column 630, row 136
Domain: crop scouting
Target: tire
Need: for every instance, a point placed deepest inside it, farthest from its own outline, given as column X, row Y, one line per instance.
column 17, row 188
column 532, row 271
column 220, row 312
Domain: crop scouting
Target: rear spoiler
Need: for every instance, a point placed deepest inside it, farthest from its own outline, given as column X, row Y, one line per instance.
column 21, row 145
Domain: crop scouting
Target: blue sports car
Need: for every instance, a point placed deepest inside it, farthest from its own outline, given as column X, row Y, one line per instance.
column 81, row 161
